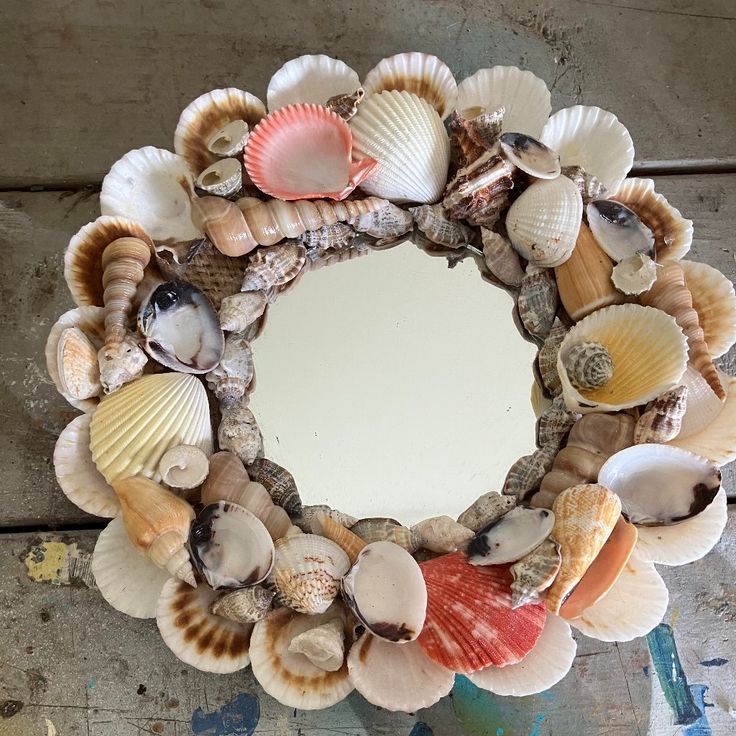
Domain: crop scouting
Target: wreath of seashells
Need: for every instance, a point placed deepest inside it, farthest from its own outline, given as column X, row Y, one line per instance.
column 634, row 419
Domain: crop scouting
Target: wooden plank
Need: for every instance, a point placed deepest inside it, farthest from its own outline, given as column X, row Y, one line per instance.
column 84, row 82
column 70, row 658
column 34, row 230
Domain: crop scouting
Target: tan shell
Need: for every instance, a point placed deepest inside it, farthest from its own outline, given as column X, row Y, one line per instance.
column 245, row 605
column 308, row 513
column 333, row 237
column 432, row 221
column 634, row 274
column 547, row 358
column 184, row 467
column 386, row 223
column 79, row 372
column 230, row 378
column 589, row 365
column 537, row 302
column 224, row 225
column 526, row 473
column 239, row 311
column 584, row 518
column 239, row 433
column 271, row 267
column 534, row 573
column 386, row 530
column 442, row 534
column 323, row 646
column 351, row 543
column 346, row 105
column 226, row 480
column 589, row 186
column 662, row 420
column 486, row 509
column 501, row 259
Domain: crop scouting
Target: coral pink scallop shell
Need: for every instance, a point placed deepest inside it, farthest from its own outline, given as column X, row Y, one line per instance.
column 470, row 624
column 304, row 151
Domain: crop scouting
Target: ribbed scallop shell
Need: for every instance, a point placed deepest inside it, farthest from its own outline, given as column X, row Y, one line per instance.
column 135, row 426
column 526, row 99
column 648, row 350
column 152, row 187
column 407, row 138
column 594, row 139
column 312, row 78
column 76, row 473
column 543, row 223
column 203, row 118
column 421, row 74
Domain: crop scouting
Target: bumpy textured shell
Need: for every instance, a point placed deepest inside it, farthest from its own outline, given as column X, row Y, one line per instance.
column 230, row 378
column 239, row 311
column 537, row 302
column 547, row 358
column 501, row 259
column 471, row 137
column 486, row 509
column 535, row 572
column 334, row 236
column 662, row 419
column 245, row 605
column 271, row 267
column 431, row 220
column 589, row 365
column 239, row 433
column 346, row 105
column 525, row 475
column 223, row 178
column 279, row 483
column 554, row 423
column 387, row 222
column 589, row 186
column 386, row 530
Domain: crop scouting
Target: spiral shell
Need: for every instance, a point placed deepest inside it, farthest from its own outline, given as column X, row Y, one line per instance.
column 589, row 365
column 346, row 105
column 334, row 236
column 537, row 302
column 224, row 224
column 229, row 380
column 501, row 259
column 431, row 220
column 271, row 267
column 279, row 483
column 662, row 420
column 240, row 311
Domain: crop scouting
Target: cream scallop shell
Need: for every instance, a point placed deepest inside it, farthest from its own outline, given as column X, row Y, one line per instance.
column 152, row 187
column 593, row 139
column 406, row 136
column 133, row 428
column 312, row 78
column 524, row 97
column 649, row 353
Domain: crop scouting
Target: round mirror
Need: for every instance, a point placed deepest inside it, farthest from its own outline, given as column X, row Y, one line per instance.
column 390, row 385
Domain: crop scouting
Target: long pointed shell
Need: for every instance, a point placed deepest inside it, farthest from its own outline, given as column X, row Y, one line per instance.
column 663, row 417
column 224, row 224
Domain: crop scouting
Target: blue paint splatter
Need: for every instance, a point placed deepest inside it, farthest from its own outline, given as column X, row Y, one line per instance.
column 539, row 719
column 421, row 729
column 701, row 727
column 91, row 683
column 717, row 662
column 671, row 675
column 499, row 731
column 239, row 717
column 547, row 695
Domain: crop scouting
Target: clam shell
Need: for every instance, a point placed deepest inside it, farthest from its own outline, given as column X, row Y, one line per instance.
column 406, row 136
column 223, row 178
column 593, row 139
column 663, row 417
column 226, row 480
column 659, row 484
column 618, row 230
column 279, row 483
column 274, row 266
column 648, row 350
column 635, row 274
column 245, row 605
column 304, row 152
column 631, row 608
column 584, row 518
column 547, row 663
column 398, row 678
column 127, row 579
column 202, row 121
column 135, row 426
column 386, row 592
column 537, row 302
column 534, row 573
column 530, row 155
column 76, row 473
column 485, row 510
column 197, row 636
column 421, row 74
column 470, row 624
column 312, row 78
column 152, row 187
column 79, row 371
column 525, row 97
column 291, row 677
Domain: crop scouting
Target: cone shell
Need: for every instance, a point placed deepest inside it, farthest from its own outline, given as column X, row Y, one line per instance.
column 134, row 427
column 291, row 677
column 76, row 473
column 350, row 543
column 648, row 350
column 406, row 136
column 203, row 118
column 525, row 97
column 198, row 637
column 584, row 518
column 398, row 678
column 547, row 663
column 470, row 624
column 421, row 74
column 304, row 152
column 152, row 187
column 594, row 139
column 127, row 579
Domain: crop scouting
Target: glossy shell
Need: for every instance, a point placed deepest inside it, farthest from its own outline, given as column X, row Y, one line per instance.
column 531, row 155
column 618, row 230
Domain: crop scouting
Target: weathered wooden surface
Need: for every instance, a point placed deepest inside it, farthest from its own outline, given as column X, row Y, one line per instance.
column 83, row 82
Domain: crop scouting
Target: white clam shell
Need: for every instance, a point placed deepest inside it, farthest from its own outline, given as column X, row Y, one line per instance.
column 127, row 579
column 406, row 136
column 152, row 187
column 77, row 474
column 524, row 96
column 222, row 178
column 618, row 230
column 546, row 664
column 530, row 155
column 543, row 223
column 397, row 678
column 310, row 78
column 594, row 139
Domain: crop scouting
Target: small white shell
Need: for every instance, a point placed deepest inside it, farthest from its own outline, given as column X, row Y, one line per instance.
column 222, row 178
column 594, row 139
column 635, row 274
column 323, row 646
column 184, row 467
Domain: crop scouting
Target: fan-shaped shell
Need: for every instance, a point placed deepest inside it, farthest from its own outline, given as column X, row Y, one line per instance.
column 312, row 78
column 421, row 74
column 152, row 187
column 79, row 371
column 526, row 99
column 135, row 426
column 648, row 350
column 594, row 139
column 407, row 138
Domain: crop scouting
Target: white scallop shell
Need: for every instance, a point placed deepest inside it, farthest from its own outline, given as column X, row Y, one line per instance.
column 525, row 98
column 310, row 78
column 133, row 428
column 127, row 579
column 76, row 473
column 594, row 139
column 543, row 223
column 397, row 677
column 547, row 663
column 152, row 187
column 634, row 605
column 422, row 74
column 407, row 138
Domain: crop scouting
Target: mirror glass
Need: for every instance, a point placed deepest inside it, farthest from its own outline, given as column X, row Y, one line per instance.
column 390, row 385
